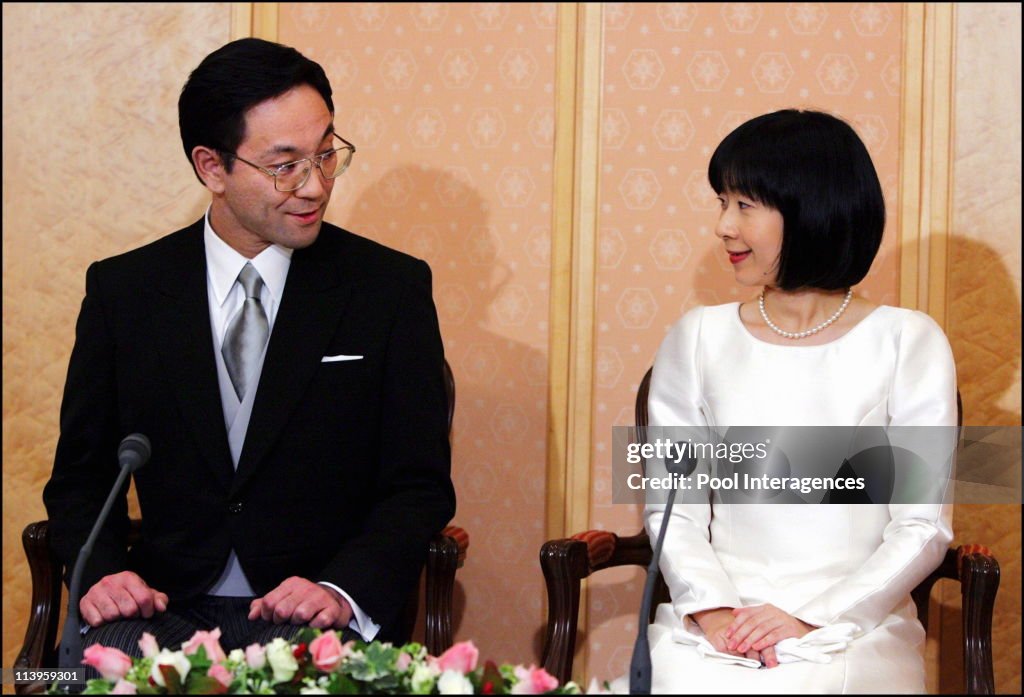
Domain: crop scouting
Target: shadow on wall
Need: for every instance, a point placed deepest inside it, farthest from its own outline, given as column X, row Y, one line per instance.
column 984, row 324
column 498, row 436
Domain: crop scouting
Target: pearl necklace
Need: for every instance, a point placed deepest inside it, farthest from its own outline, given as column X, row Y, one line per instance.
column 808, row 332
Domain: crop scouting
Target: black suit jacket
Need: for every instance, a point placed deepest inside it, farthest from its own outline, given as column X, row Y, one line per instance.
column 345, row 472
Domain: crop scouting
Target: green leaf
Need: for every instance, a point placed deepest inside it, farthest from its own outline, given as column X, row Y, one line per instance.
column 377, row 662
column 98, row 686
column 305, row 636
column 204, row 685
column 199, row 661
column 342, row 685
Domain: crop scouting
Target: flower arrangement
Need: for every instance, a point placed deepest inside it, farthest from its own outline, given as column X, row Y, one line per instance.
column 315, row 662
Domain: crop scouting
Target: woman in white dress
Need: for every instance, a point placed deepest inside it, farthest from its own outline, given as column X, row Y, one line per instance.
column 801, row 218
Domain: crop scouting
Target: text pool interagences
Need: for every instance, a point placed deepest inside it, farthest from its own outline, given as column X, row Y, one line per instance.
column 738, row 481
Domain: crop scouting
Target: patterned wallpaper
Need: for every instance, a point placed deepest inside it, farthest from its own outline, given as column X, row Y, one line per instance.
column 92, row 167
column 451, row 107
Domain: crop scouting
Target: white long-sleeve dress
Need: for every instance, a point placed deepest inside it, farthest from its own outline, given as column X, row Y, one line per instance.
column 824, row 564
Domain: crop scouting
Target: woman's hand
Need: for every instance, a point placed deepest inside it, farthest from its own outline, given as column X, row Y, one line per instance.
column 714, row 623
column 760, row 627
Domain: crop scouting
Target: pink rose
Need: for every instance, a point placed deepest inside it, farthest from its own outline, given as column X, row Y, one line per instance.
column 327, row 651
column 403, row 662
column 221, row 674
column 255, row 656
column 460, row 657
column 123, row 687
column 148, row 645
column 533, row 681
column 209, row 640
column 110, row 663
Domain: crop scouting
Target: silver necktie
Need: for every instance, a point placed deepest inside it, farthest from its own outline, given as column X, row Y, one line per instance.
column 246, row 334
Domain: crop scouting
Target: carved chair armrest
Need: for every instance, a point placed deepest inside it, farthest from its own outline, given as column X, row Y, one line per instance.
column 461, row 538
column 447, row 552
column 978, row 572
column 565, row 564
column 39, row 648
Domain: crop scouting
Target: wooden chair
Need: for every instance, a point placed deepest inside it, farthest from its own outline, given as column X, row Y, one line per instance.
column 446, row 553
column 567, row 562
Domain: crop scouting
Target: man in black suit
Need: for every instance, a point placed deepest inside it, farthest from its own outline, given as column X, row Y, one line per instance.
column 288, row 375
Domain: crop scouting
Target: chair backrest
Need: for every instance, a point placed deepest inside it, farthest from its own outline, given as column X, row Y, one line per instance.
column 412, row 608
column 449, row 388
column 661, row 594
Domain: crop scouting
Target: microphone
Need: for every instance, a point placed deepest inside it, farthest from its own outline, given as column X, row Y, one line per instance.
column 132, row 454
column 640, row 664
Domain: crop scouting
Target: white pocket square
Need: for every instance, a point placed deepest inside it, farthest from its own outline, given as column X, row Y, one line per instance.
column 340, row 357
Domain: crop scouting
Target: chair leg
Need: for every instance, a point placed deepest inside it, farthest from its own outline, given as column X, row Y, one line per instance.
column 565, row 564
column 442, row 561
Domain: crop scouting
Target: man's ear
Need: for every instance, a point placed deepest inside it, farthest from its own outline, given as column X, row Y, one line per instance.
column 210, row 166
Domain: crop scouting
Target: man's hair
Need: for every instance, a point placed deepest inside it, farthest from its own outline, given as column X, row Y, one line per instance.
column 813, row 169
column 232, row 80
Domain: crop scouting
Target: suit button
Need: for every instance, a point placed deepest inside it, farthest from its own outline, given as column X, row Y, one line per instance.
column 235, row 507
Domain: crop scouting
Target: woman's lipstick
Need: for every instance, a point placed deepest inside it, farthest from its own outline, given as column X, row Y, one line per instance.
column 737, row 257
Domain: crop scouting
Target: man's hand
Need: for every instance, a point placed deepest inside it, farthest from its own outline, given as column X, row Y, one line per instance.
column 761, row 627
column 120, row 596
column 299, row 601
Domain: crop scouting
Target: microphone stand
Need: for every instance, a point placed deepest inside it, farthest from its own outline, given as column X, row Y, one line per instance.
column 640, row 664
column 132, row 454
column 71, row 639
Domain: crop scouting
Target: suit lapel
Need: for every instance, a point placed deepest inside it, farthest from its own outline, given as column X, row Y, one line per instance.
column 313, row 304
column 182, row 312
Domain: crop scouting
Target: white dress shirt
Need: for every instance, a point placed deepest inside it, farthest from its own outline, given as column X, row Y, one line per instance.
column 223, row 264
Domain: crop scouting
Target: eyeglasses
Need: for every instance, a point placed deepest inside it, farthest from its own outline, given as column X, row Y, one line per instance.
column 293, row 175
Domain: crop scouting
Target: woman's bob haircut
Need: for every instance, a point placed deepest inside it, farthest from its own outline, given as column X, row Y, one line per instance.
column 814, row 170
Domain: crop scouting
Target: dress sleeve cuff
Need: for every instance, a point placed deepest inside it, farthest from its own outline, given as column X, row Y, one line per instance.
column 361, row 623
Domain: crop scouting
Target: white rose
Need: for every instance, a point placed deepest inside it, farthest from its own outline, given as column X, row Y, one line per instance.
column 423, row 677
column 453, row 682
column 316, row 690
column 237, row 656
column 281, row 660
column 166, row 657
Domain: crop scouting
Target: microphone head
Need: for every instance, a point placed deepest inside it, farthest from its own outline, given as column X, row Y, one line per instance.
column 684, row 467
column 133, row 452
